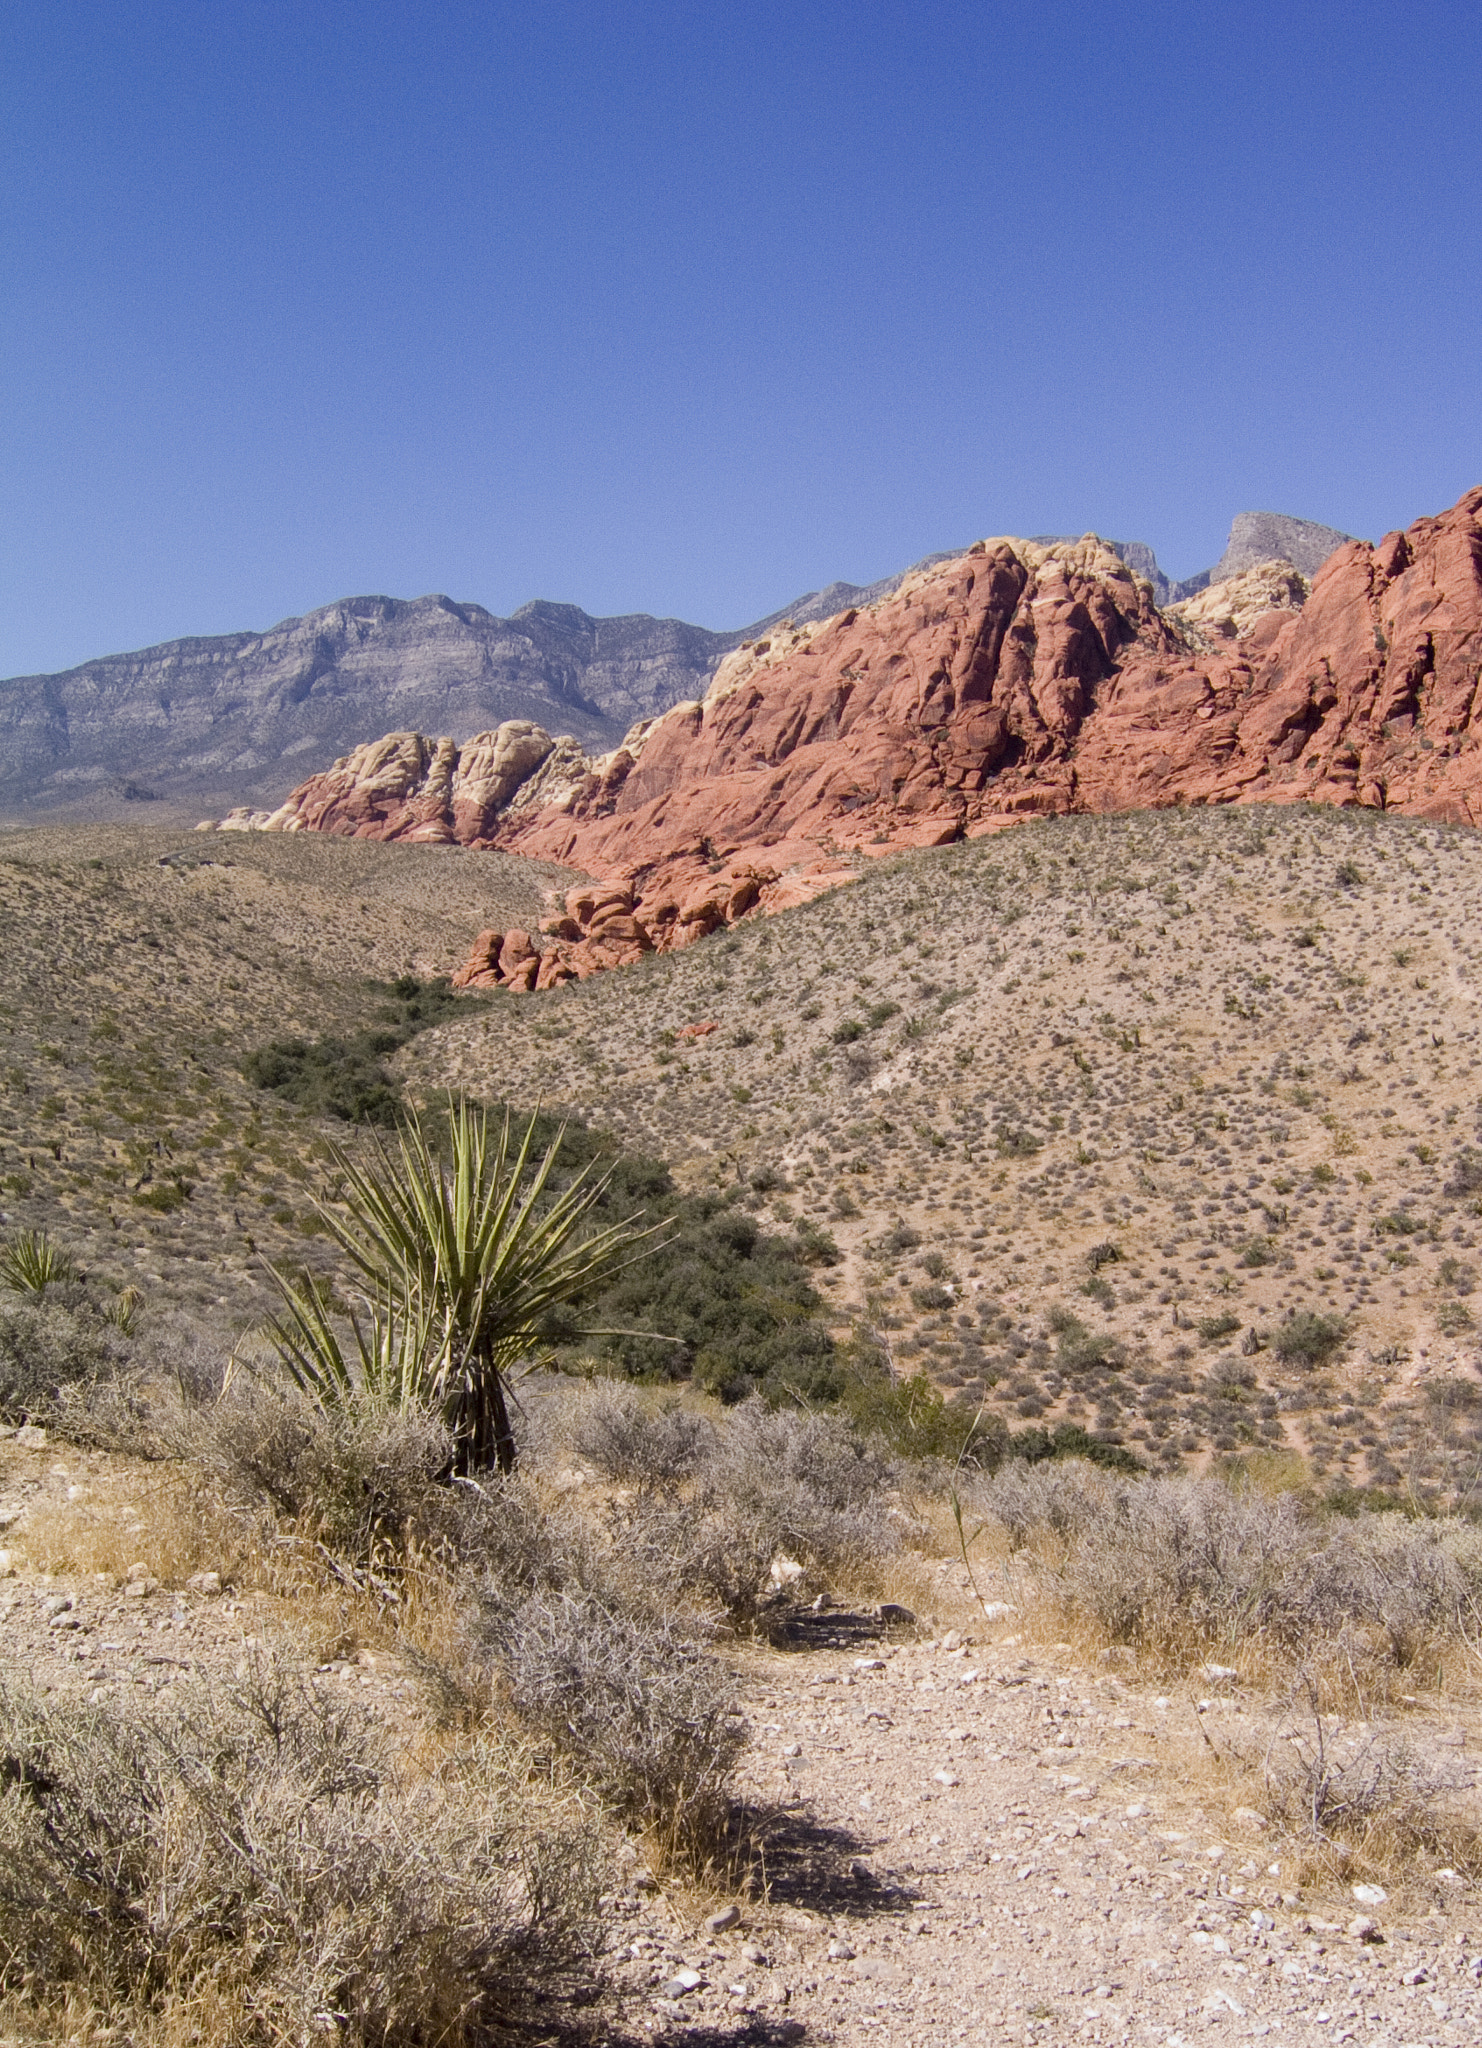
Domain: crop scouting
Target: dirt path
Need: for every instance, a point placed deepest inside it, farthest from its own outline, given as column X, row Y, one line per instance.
column 983, row 1846
column 975, row 1843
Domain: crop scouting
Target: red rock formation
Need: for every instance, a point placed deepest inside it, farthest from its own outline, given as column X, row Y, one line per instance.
column 1011, row 681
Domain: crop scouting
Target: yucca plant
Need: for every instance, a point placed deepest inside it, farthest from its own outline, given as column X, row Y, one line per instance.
column 30, row 1262
column 460, row 1260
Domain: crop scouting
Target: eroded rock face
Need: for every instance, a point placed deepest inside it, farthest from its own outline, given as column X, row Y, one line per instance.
column 1014, row 680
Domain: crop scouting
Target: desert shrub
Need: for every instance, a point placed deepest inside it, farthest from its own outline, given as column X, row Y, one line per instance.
column 626, row 1439
column 776, row 1482
column 364, row 1484
column 1015, row 1142
column 248, row 1851
column 1079, row 1349
column 932, row 1296
column 649, row 1714
column 1069, row 1440
column 1212, row 1328
column 1171, row 1562
column 334, row 1077
column 911, row 1417
column 1308, row 1337
column 50, row 1348
column 343, row 1077
column 739, row 1302
column 1466, row 1173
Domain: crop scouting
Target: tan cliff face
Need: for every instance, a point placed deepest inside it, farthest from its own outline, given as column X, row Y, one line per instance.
column 1014, row 680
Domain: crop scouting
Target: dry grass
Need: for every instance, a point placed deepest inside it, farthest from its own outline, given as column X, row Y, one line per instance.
column 250, row 1853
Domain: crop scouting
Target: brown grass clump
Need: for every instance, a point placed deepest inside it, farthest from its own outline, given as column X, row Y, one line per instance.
column 170, row 1519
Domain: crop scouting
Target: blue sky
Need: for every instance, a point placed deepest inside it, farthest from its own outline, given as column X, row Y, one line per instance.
column 688, row 309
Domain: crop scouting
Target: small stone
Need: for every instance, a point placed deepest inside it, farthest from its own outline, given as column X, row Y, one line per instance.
column 785, row 1570
column 136, row 1589
column 894, row 1615
column 840, row 1952
column 1220, row 1674
column 869, row 1663
column 998, row 1610
column 138, row 1570
column 750, row 1953
column 1249, row 1818
column 722, row 1922
column 1370, row 1894
column 31, row 1437
column 204, row 1582
column 952, row 1640
column 7, row 1564
column 1137, row 1810
column 1362, row 1928
column 682, row 1983
column 948, row 1778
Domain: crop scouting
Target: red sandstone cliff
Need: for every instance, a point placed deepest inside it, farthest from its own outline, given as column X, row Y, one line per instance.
column 1011, row 681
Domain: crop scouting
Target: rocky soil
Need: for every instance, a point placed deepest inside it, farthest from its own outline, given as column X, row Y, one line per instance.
column 969, row 1836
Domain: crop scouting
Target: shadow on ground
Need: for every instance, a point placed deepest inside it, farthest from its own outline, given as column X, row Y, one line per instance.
column 797, row 1860
column 832, row 1629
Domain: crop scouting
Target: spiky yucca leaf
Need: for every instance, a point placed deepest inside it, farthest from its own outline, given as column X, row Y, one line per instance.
column 461, row 1261
column 30, row 1262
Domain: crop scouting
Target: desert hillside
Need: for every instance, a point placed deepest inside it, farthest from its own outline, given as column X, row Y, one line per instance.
column 1094, row 1112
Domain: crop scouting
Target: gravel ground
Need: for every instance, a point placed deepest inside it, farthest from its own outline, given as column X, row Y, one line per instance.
column 964, row 1841
column 981, row 1845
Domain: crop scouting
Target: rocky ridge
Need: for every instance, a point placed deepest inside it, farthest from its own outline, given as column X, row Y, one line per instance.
column 1012, row 681
column 222, row 721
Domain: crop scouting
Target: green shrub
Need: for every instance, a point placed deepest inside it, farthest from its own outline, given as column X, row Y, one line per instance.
column 1070, row 1440
column 343, row 1077
column 1079, row 1349
column 1308, row 1338
column 913, row 1418
column 1212, row 1328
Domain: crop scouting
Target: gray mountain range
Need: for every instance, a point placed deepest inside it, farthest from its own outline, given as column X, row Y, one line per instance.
column 241, row 718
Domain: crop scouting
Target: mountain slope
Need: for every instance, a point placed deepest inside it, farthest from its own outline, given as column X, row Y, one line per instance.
column 224, row 721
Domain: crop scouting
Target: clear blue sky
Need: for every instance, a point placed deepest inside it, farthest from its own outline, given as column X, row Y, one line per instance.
column 688, row 308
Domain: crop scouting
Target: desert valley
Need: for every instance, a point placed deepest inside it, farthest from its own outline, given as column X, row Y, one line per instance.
column 1000, row 1559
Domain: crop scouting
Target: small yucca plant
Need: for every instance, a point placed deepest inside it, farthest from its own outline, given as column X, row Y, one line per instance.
column 30, row 1262
column 460, row 1262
